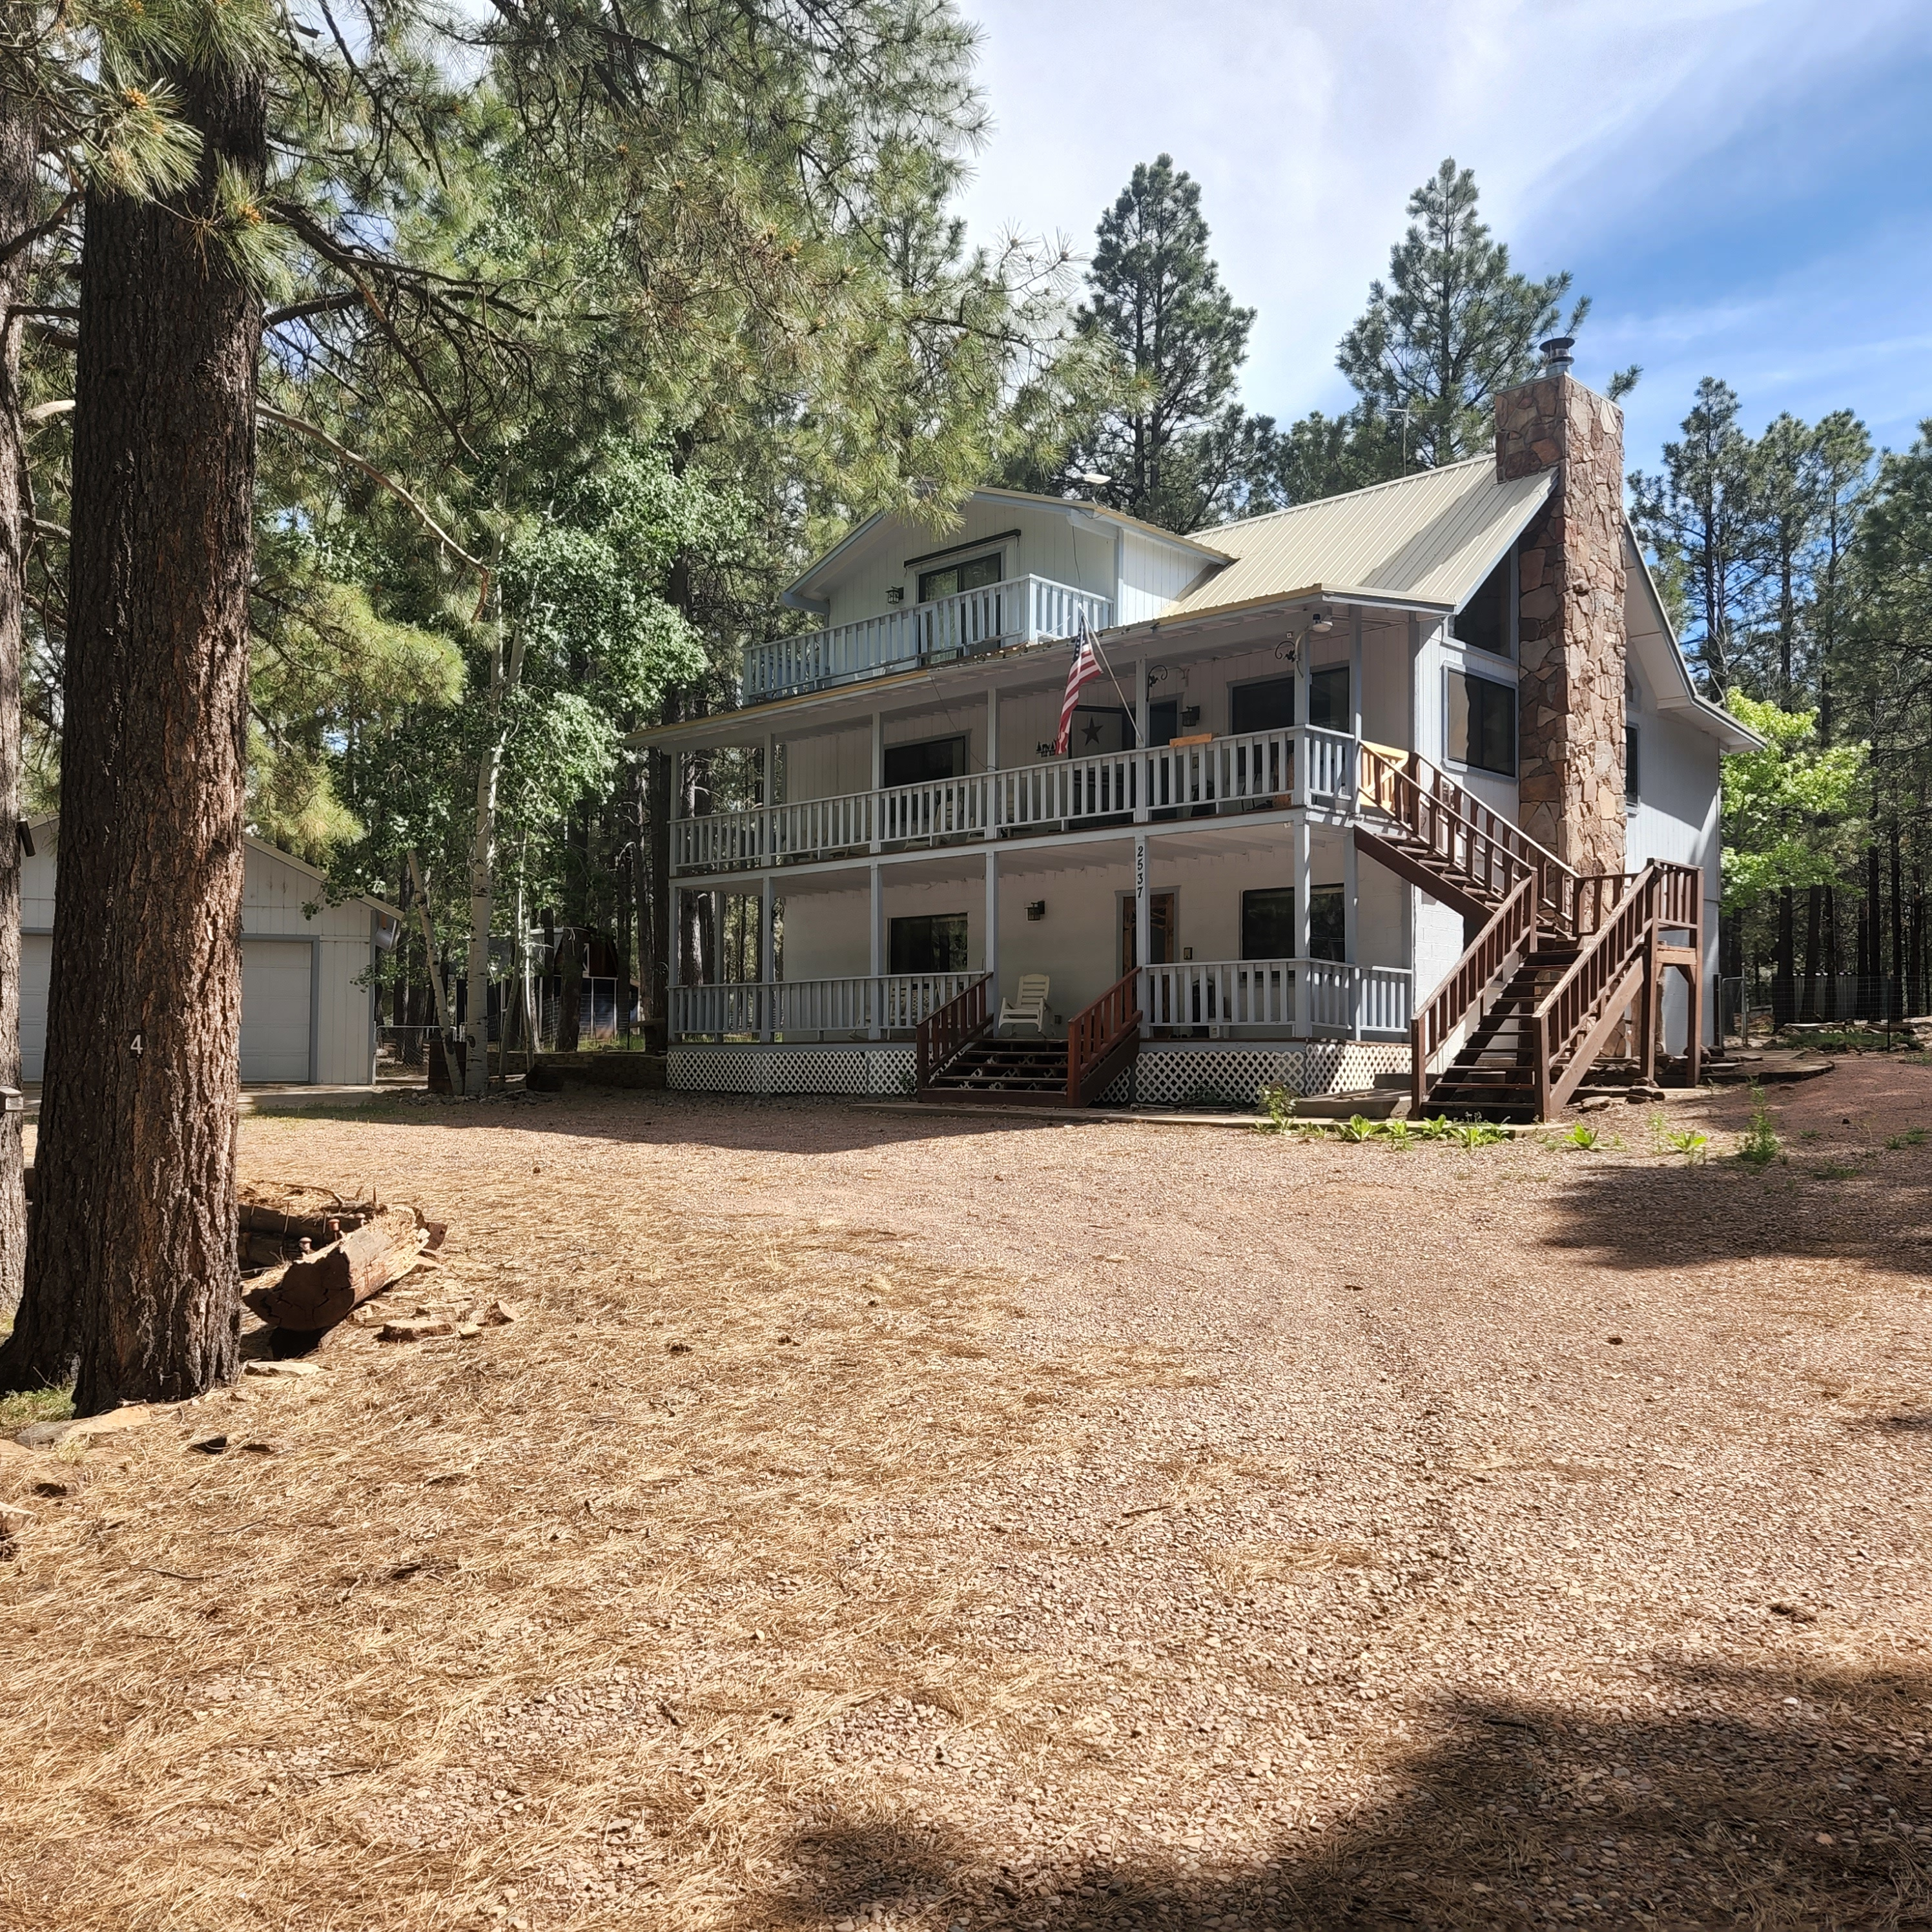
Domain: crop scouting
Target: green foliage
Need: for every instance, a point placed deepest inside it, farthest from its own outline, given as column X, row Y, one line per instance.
column 1177, row 448
column 1760, row 1145
column 43, row 1405
column 1453, row 323
column 1357, row 1127
column 1690, row 1143
column 1440, row 1128
column 1473, row 1134
column 1279, row 1101
column 1399, row 1134
column 1792, row 811
column 1912, row 1137
column 1581, row 1136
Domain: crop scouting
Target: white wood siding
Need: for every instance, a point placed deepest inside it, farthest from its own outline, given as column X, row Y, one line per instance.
column 275, row 890
column 1152, row 574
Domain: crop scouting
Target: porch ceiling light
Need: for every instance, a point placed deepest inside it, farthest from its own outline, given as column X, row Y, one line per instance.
column 1320, row 623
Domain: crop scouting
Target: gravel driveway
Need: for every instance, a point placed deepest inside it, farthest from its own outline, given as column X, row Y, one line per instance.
column 876, row 1519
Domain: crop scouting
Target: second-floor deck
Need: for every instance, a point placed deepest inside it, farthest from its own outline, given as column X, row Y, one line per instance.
column 1020, row 610
column 1256, row 772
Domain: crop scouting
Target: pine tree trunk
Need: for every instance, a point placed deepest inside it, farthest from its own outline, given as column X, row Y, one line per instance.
column 132, row 1284
column 570, row 990
column 16, row 206
column 1814, row 909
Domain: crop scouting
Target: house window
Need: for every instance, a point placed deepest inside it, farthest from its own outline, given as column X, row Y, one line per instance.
column 927, row 943
column 922, row 764
column 1269, row 705
column 1482, row 723
column 950, row 579
column 1268, row 923
column 1485, row 620
column 1629, row 765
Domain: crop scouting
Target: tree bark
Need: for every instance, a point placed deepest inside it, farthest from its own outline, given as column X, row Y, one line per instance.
column 1814, row 902
column 570, row 990
column 132, row 1281
column 17, row 144
column 506, row 673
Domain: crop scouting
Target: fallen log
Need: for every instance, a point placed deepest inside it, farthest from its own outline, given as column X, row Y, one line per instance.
column 326, row 1286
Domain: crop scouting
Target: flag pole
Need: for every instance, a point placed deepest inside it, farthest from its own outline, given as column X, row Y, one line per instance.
column 1111, row 679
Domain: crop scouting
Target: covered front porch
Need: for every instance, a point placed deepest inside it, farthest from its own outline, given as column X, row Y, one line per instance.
column 1247, row 931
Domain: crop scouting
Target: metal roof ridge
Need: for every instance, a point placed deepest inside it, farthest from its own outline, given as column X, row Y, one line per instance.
column 1363, row 489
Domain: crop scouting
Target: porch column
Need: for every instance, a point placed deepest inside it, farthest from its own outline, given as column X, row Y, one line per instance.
column 1143, row 762
column 876, row 925
column 989, row 827
column 1142, row 929
column 1355, row 716
column 674, row 901
column 767, row 953
column 1351, row 881
column 989, row 961
column 878, row 773
column 1304, row 880
column 1304, row 652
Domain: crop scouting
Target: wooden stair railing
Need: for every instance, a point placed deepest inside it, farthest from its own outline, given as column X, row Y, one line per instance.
column 1103, row 1041
column 1493, row 955
column 1574, row 1020
column 947, row 1031
column 1466, row 834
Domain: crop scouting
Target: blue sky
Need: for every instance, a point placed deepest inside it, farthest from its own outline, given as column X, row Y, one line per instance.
column 1745, row 189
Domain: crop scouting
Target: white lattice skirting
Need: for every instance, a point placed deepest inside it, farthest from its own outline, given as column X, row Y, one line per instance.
column 1169, row 1074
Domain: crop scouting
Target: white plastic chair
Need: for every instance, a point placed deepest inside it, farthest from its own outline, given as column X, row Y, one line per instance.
column 1030, row 1005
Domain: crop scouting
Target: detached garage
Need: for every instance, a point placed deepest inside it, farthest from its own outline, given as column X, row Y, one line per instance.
column 308, row 1014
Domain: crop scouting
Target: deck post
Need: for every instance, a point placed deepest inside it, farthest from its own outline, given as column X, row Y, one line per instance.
column 875, row 815
column 1351, row 881
column 1143, row 764
column 876, row 926
column 1304, row 888
column 767, row 953
column 1143, row 924
column 768, row 797
column 674, row 902
column 990, row 828
column 989, row 949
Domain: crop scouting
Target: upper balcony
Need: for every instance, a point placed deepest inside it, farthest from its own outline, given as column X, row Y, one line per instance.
column 970, row 623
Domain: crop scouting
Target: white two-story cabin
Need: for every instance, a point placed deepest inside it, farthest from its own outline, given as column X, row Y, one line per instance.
column 1222, row 850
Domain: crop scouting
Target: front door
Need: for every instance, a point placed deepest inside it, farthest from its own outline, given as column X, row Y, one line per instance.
column 1160, row 931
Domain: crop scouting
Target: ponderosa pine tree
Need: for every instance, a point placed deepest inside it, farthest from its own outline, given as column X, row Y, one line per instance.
column 131, row 1256
column 1453, row 323
column 1176, row 449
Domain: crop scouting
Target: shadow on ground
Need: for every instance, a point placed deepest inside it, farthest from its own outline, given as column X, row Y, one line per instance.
column 1801, row 1815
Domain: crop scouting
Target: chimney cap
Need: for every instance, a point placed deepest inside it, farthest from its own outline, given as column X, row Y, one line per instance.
column 1556, row 356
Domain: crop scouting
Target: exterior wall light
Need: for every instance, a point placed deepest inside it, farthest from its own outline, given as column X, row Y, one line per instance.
column 1036, row 909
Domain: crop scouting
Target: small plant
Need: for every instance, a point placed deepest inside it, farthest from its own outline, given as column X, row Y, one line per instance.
column 1759, row 1146
column 1478, row 1134
column 42, row 1404
column 1399, row 1134
column 1588, row 1138
column 1439, row 1129
column 1690, row 1143
column 1356, row 1127
column 1279, row 1101
column 1912, row 1137
column 908, row 1083
column 1831, row 1170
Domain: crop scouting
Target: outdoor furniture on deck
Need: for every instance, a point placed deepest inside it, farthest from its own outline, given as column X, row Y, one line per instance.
column 1029, row 1006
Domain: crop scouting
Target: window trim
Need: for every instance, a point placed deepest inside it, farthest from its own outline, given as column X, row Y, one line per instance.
column 997, row 551
column 1462, row 670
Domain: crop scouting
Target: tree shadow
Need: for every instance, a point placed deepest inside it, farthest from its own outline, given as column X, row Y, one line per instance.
column 839, row 1123
column 1789, row 1800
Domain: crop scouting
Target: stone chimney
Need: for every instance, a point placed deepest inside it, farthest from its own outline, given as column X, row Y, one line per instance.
column 1569, row 587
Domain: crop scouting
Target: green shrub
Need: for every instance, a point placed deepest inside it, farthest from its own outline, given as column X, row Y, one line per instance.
column 1759, row 1146
column 1279, row 1101
column 1690, row 1143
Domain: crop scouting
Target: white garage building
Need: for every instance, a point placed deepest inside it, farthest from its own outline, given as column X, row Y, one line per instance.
column 308, row 1012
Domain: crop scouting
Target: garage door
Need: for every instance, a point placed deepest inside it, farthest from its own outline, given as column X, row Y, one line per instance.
column 275, row 1009
column 36, row 949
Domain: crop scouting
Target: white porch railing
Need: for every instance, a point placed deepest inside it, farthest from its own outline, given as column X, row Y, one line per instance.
column 890, row 1003
column 1021, row 609
column 1300, row 997
column 1305, row 767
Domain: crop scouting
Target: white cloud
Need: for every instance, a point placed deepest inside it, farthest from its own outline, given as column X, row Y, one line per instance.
column 1308, row 124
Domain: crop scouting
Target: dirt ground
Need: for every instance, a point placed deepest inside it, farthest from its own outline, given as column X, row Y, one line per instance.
column 872, row 1520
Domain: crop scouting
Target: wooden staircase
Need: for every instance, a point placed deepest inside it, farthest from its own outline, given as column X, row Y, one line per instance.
column 1559, row 963
column 958, row 1056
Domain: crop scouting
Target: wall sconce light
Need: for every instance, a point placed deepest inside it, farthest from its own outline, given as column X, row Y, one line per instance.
column 1190, row 714
column 895, row 593
column 1187, row 953
column 1035, row 908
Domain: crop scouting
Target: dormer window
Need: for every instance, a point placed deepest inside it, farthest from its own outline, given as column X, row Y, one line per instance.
column 948, row 580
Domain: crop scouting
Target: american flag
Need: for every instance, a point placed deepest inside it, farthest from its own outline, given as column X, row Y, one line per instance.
column 1086, row 667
